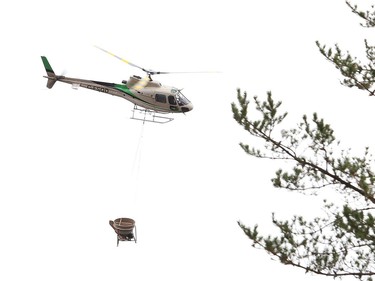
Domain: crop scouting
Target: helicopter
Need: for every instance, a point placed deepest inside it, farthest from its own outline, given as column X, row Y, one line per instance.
column 150, row 98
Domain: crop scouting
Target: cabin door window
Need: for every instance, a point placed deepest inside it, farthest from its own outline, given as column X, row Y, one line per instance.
column 160, row 98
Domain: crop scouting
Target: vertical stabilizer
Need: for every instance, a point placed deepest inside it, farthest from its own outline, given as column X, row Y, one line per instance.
column 50, row 73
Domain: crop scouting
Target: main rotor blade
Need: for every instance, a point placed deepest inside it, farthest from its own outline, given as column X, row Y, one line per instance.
column 149, row 71
column 182, row 72
column 121, row 59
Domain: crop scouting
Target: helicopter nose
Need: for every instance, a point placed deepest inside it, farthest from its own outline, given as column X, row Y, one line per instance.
column 188, row 107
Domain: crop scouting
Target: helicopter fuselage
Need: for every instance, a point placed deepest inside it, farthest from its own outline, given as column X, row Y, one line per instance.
column 153, row 96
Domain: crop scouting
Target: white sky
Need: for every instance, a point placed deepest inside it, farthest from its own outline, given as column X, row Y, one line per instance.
column 72, row 160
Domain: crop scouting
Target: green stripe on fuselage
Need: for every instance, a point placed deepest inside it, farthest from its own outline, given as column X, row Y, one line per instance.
column 123, row 88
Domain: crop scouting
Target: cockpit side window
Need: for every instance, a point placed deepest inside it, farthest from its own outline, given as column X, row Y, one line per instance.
column 172, row 100
column 161, row 98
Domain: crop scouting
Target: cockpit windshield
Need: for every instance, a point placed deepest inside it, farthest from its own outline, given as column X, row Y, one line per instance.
column 181, row 99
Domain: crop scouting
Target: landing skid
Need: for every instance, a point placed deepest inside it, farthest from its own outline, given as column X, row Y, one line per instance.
column 148, row 115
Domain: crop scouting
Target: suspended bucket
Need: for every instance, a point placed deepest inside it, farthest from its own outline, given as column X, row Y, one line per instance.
column 125, row 229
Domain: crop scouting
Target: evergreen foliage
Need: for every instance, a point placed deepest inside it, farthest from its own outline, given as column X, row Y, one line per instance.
column 342, row 242
column 356, row 73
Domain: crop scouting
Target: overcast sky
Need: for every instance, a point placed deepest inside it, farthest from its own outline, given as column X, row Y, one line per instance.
column 72, row 160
